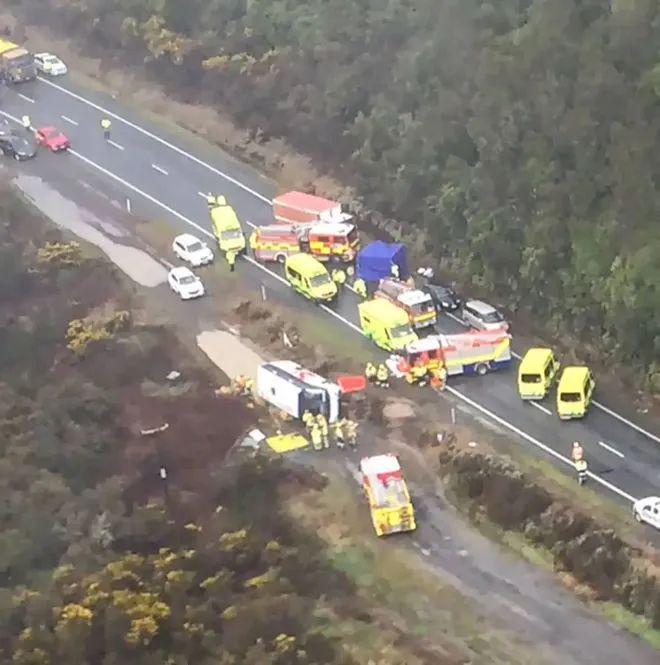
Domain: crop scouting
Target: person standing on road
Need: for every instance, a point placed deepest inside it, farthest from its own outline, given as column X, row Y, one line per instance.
column 582, row 468
column 370, row 372
column 105, row 126
column 338, row 276
column 383, row 376
column 308, row 421
column 351, row 429
column 316, row 437
column 338, row 433
column 360, row 287
column 322, row 424
column 231, row 260
column 26, row 121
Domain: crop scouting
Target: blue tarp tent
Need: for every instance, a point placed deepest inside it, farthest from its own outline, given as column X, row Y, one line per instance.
column 375, row 261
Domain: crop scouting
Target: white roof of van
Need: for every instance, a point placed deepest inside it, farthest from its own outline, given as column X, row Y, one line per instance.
column 414, row 297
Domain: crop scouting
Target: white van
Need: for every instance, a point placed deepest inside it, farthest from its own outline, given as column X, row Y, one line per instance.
column 290, row 387
column 482, row 316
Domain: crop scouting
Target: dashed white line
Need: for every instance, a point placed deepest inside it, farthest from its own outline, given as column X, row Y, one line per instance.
column 540, row 407
column 160, row 169
column 26, row 98
column 71, row 121
column 171, row 146
column 614, row 414
column 114, row 144
column 202, row 195
column 614, row 451
column 351, row 325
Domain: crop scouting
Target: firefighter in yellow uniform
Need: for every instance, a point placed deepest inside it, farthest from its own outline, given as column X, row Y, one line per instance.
column 316, row 437
column 418, row 374
column 322, row 424
column 211, row 201
column 338, row 433
column 383, row 376
column 338, row 276
column 360, row 287
column 370, row 372
column 308, row 421
column 231, row 260
column 351, row 429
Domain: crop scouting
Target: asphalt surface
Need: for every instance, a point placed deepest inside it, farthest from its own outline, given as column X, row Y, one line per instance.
column 162, row 176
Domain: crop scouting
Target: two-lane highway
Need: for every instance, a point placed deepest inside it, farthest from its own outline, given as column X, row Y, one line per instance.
column 150, row 165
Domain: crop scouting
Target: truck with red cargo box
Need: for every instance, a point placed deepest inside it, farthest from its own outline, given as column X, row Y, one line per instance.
column 301, row 208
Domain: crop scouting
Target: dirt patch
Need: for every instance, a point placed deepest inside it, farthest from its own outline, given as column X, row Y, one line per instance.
column 229, row 353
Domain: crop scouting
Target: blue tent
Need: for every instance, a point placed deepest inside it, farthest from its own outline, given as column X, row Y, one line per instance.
column 375, row 261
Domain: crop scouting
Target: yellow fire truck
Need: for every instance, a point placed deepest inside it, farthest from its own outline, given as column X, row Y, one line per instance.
column 386, row 491
column 417, row 304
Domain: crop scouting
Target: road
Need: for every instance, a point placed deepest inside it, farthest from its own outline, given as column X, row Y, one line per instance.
column 154, row 169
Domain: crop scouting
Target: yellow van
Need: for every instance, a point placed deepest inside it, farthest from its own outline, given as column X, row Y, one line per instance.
column 226, row 227
column 309, row 277
column 536, row 372
column 386, row 324
column 576, row 387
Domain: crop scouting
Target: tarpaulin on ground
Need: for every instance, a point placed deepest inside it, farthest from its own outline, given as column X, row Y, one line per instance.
column 375, row 261
column 285, row 443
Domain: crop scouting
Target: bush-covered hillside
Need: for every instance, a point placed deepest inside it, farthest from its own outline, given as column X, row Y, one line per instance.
column 521, row 134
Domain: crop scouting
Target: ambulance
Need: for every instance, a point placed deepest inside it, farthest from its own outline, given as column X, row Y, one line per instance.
column 226, row 227
column 323, row 241
column 386, row 324
column 387, row 493
column 309, row 277
column 417, row 304
column 298, row 207
column 475, row 352
column 536, row 373
column 574, row 392
column 294, row 390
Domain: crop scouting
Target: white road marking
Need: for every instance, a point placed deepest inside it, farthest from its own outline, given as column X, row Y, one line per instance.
column 115, row 145
column 614, row 451
column 69, row 120
column 541, row 408
column 202, row 195
column 536, row 442
column 171, row 146
column 26, row 98
column 265, row 199
column 159, row 169
column 351, row 325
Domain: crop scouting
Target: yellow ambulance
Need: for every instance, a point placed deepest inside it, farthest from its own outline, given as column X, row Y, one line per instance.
column 226, row 227
column 386, row 324
column 309, row 277
column 536, row 372
column 574, row 393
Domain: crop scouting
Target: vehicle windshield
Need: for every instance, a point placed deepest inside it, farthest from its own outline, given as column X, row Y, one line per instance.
column 424, row 307
column 530, row 378
column 352, row 236
column 195, row 247
column 22, row 60
column 51, row 60
column 231, row 234
column 492, row 317
column 570, row 397
column 400, row 331
column 188, row 279
column 320, row 280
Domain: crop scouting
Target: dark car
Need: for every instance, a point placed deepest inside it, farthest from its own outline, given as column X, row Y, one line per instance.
column 444, row 297
column 18, row 146
column 5, row 128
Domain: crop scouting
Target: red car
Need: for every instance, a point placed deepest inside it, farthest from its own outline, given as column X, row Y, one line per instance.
column 53, row 139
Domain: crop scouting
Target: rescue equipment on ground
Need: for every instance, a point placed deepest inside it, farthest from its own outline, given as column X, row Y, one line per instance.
column 324, row 241
column 417, row 304
column 389, row 501
column 386, row 324
column 294, row 390
column 309, row 277
column 299, row 207
column 285, row 443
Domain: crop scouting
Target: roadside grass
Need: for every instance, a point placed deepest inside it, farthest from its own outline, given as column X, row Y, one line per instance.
column 388, row 571
column 634, row 623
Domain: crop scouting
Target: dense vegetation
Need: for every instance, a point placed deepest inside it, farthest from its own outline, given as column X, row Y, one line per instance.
column 520, row 134
column 99, row 561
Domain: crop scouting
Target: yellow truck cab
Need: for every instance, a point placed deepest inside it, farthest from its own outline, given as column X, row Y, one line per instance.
column 226, row 227
column 574, row 393
column 536, row 372
column 386, row 324
column 309, row 277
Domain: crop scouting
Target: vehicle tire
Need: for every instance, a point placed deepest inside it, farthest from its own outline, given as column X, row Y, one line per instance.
column 481, row 369
column 16, row 157
column 637, row 516
column 281, row 258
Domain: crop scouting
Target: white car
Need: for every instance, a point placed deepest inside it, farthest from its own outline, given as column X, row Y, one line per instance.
column 50, row 64
column 192, row 250
column 185, row 283
column 481, row 316
column 648, row 510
